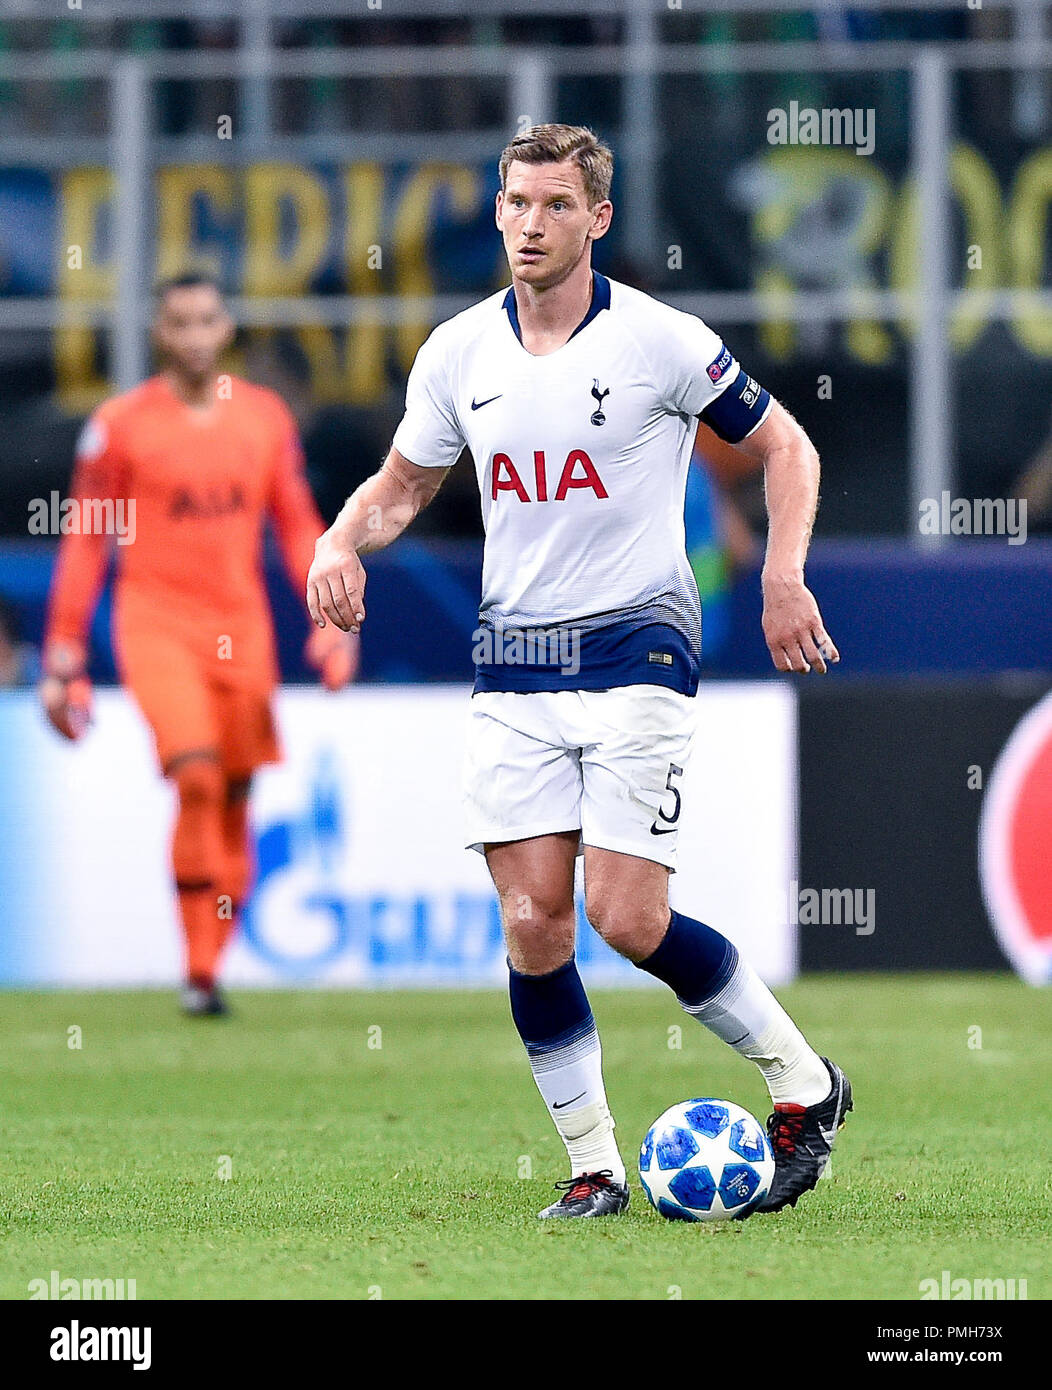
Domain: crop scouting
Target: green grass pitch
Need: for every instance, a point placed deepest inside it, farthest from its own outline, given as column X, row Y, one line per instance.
column 295, row 1152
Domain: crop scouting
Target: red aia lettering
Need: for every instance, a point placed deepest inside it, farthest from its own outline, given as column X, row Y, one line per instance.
column 513, row 483
column 541, row 475
column 591, row 477
column 506, row 477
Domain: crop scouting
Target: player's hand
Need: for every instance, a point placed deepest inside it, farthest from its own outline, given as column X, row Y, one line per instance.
column 336, row 585
column 335, row 655
column 65, row 691
column 793, row 628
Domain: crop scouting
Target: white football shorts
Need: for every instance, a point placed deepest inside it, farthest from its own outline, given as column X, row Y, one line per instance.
column 607, row 763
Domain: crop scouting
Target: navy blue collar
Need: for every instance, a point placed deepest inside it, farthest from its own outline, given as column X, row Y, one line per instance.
column 600, row 301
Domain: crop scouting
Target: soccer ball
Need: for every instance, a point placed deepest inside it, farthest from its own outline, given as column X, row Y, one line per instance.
column 706, row 1160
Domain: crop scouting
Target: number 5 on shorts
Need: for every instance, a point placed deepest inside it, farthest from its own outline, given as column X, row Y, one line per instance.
column 669, row 822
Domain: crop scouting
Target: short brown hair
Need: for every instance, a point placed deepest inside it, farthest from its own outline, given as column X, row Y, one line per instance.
column 552, row 144
column 187, row 280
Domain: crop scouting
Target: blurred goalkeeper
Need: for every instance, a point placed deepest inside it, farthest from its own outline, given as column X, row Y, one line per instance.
column 192, row 463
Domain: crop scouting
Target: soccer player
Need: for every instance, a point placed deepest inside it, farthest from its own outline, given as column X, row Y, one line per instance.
column 193, row 463
column 578, row 397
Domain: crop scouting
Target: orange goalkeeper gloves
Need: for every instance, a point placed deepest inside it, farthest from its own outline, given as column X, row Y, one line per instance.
column 65, row 690
column 334, row 654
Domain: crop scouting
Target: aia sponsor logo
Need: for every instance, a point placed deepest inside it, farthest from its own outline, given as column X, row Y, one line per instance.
column 210, row 502
column 577, row 472
column 1015, row 866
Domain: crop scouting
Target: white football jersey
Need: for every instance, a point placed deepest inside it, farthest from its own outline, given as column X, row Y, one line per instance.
column 581, row 455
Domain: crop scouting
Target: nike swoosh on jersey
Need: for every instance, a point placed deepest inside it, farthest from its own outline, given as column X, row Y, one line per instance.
column 477, row 405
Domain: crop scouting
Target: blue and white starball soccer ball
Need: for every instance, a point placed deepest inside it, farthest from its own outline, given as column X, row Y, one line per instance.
column 706, row 1160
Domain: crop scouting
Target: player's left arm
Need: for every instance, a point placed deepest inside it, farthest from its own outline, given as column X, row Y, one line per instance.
column 297, row 525
column 792, row 624
column 740, row 412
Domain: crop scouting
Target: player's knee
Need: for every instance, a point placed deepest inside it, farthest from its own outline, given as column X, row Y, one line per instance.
column 630, row 927
column 198, row 782
column 539, row 931
column 540, row 907
column 197, row 843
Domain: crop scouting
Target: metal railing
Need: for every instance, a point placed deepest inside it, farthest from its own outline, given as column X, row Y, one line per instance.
column 258, row 11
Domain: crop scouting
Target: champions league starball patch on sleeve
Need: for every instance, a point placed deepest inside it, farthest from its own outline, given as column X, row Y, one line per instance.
column 718, row 366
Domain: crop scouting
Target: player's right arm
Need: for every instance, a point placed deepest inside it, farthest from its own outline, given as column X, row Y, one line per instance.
column 373, row 516
column 426, row 445
column 83, row 558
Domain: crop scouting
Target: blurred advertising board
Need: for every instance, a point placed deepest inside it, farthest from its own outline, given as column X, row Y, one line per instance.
column 362, row 879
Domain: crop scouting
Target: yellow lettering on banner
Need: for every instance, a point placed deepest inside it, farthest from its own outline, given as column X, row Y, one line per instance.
column 79, row 387
column 364, row 192
column 271, row 272
column 411, row 226
column 178, row 186
column 800, row 179
column 975, row 187
column 1027, row 231
column 289, row 226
